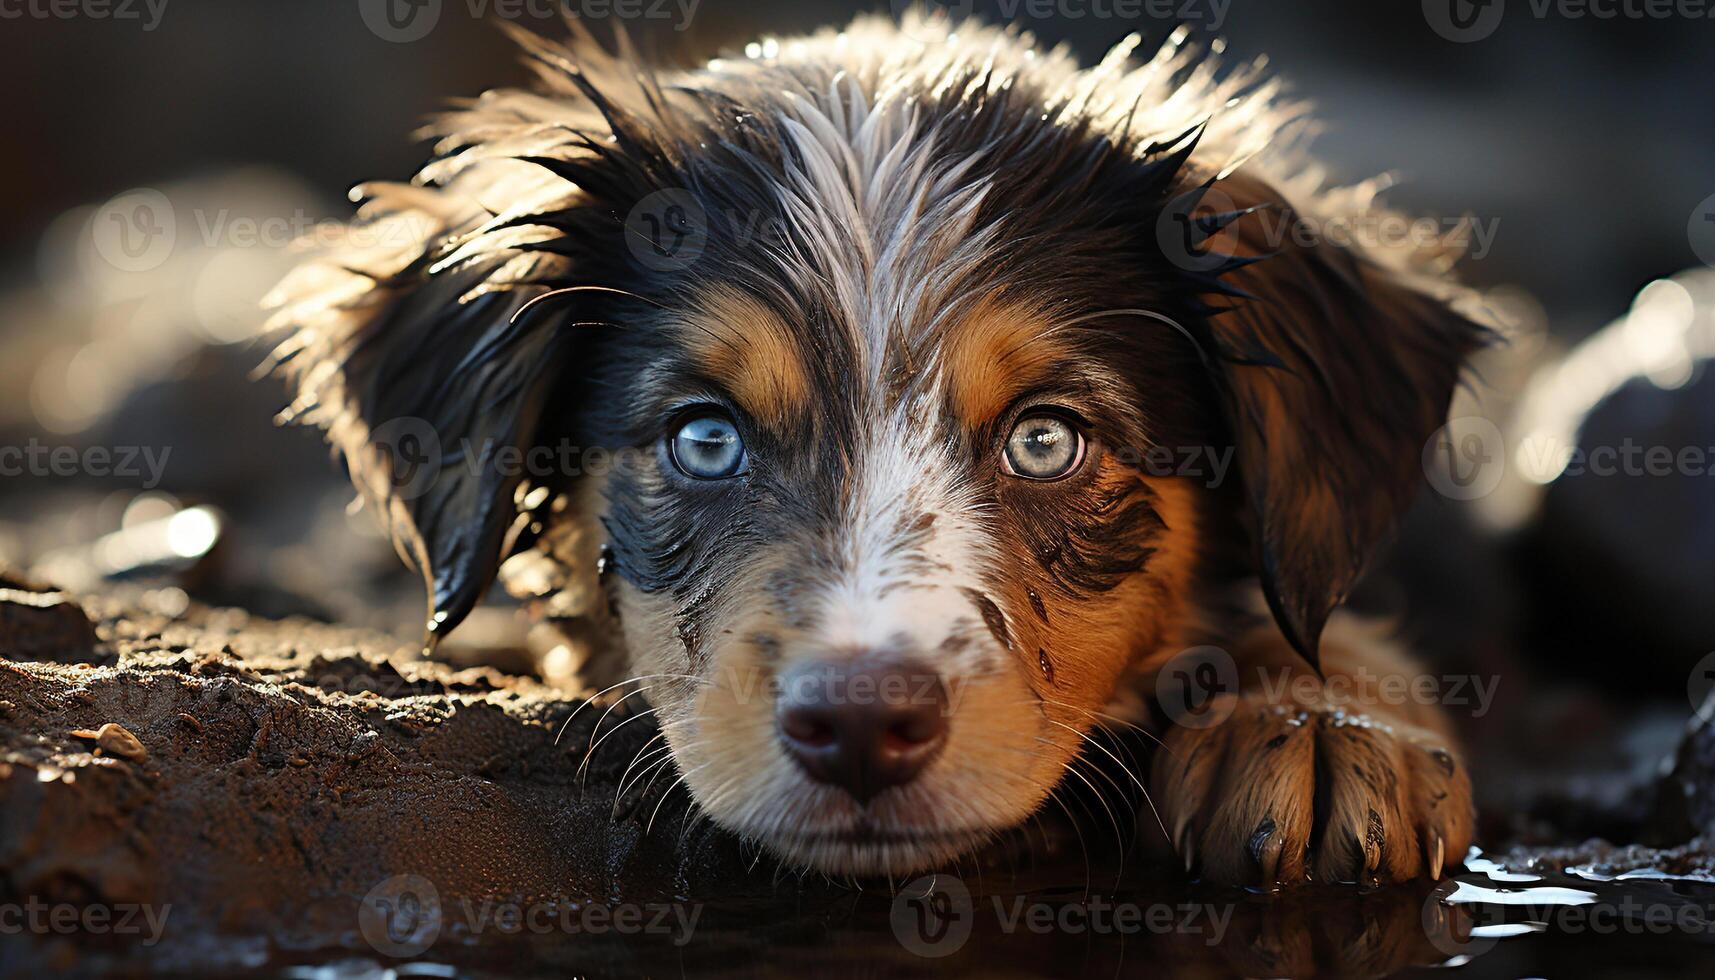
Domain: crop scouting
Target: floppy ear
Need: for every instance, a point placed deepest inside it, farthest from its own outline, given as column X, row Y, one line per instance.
column 1334, row 363
column 415, row 339
column 426, row 378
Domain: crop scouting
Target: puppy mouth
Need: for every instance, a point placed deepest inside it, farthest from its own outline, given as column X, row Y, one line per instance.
column 860, row 836
column 869, row 851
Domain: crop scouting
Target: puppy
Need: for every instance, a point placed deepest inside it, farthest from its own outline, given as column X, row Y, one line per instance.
column 869, row 348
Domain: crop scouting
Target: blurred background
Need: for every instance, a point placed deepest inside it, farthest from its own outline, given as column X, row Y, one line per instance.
column 161, row 157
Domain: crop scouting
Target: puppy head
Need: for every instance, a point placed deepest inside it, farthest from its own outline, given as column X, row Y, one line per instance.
column 878, row 338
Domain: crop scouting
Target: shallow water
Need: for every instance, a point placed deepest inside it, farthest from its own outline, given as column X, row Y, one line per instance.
column 1484, row 921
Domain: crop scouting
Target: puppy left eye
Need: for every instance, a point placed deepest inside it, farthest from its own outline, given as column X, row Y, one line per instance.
column 1043, row 447
column 708, row 447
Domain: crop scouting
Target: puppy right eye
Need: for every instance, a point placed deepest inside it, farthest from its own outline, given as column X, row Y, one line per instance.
column 708, row 447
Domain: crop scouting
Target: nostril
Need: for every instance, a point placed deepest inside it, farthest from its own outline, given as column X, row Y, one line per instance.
column 916, row 729
column 808, row 728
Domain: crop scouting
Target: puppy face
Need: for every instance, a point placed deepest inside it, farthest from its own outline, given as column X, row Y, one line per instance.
column 927, row 532
column 881, row 543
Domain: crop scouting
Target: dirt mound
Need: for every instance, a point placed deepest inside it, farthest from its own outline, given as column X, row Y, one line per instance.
column 258, row 779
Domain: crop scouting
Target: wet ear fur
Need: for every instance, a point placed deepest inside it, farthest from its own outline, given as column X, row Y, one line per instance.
column 418, row 341
column 425, row 385
column 1334, row 366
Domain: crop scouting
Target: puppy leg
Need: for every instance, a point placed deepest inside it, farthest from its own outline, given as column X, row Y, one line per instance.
column 1342, row 779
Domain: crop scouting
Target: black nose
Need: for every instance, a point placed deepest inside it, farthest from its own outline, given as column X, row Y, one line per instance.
column 863, row 724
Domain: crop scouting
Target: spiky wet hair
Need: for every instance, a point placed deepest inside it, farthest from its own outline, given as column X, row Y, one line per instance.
column 906, row 181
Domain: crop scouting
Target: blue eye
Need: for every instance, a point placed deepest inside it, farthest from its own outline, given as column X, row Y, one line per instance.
column 1043, row 447
column 708, row 447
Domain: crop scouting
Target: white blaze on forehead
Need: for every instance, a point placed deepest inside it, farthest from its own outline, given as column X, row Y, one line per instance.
column 888, row 237
column 879, row 229
column 895, row 578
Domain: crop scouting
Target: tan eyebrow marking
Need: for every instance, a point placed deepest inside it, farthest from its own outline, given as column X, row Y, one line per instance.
column 737, row 339
column 993, row 354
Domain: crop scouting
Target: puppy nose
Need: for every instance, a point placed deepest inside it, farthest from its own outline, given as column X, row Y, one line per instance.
column 862, row 725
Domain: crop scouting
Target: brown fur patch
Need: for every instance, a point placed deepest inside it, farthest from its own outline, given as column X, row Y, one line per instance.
column 743, row 343
column 993, row 354
column 1093, row 641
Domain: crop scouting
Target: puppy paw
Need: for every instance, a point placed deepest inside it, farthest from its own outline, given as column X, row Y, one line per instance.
column 1279, row 794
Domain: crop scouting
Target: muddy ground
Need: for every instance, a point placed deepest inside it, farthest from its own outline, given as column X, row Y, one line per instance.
column 267, row 796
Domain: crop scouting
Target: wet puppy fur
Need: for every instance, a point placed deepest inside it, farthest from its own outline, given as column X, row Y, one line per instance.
column 889, row 247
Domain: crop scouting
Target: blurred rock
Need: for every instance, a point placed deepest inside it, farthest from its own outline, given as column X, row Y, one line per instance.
column 39, row 623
